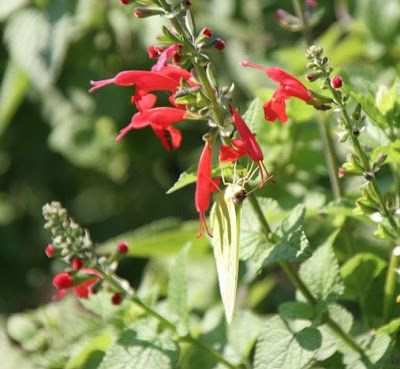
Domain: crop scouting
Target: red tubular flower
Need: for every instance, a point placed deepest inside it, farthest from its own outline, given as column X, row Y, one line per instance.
column 246, row 145
column 204, row 187
column 64, row 281
column 165, row 56
column 160, row 119
column 289, row 87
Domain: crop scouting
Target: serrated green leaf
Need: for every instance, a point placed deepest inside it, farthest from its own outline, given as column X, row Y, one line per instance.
column 91, row 354
column 294, row 246
column 141, row 349
column 358, row 274
column 296, row 310
column 330, row 341
column 254, row 115
column 251, row 236
column 278, row 347
column 321, row 273
column 225, row 227
column 160, row 238
column 14, row 86
column 243, row 332
column 177, row 288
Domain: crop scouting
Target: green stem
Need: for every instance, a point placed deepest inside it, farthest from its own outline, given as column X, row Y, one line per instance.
column 299, row 10
column 165, row 322
column 260, row 216
column 331, row 159
column 390, row 286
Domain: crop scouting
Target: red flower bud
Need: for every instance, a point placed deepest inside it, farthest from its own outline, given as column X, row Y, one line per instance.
column 49, row 250
column 125, row 2
column 153, row 52
column 123, row 248
column 116, row 298
column 176, row 58
column 63, row 281
column 336, row 82
column 219, row 44
column 341, row 172
column 77, row 264
column 356, row 132
column 186, row 3
column 207, row 32
column 311, row 3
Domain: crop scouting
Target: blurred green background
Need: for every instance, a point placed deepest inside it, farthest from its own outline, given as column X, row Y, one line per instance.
column 57, row 140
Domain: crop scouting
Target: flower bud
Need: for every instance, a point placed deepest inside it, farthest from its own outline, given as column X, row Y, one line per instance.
column 116, row 298
column 122, row 248
column 336, row 82
column 77, row 264
column 176, row 58
column 63, row 281
column 287, row 20
column 206, row 32
column 311, row 77
column 341, row 172
column 148, row 12
column 356, row 132
column 153, row 52
column 312, row 3
column 49, row 250
column 219, row 44
column 380, row 158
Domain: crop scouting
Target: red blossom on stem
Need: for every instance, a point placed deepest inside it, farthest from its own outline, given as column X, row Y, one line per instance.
column 77, row 264
column 219, row 44
column 289, row 87
column 205, row 185
column 246, row 145
column 116, row 298
column 64, row 281
column 123, row 247
column 160, row 119
column 49, row 250
column 336, row 82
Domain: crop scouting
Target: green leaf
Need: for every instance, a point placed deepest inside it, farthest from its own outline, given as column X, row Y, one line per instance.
column 190, row 175
column 12, row 91
column 141, row 349
column 296, row 310
column 91, row 354
column 243, row 332
column 294, row 245
column 377, row 353
column 391, row 328
column 225, row 228
column 160, row 238
column 330, row 341
column 177, row 288
column 358, row 274
column 393, row 151
column 254, row 115
column 321, row 273
column 280, row 347
column 37, row 46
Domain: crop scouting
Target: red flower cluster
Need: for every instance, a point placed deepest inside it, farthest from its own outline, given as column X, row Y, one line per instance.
column 289, row 87
column 162, row 77
column 80, row 286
